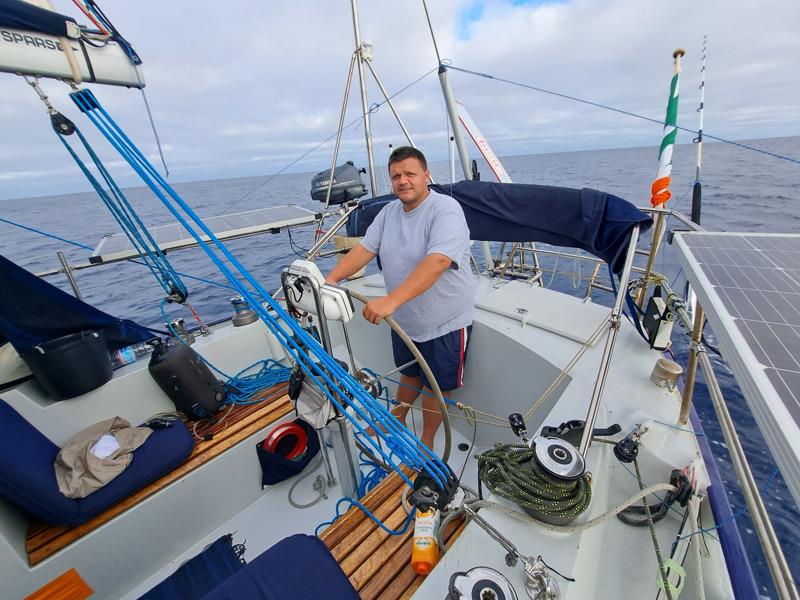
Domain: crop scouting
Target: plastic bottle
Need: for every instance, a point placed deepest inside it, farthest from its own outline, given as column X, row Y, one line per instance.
column 424, row 548
column 129, row 354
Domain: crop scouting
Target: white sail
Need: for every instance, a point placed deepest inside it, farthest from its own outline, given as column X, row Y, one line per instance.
column 40, row 54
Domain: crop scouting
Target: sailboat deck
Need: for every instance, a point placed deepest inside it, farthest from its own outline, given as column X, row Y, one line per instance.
column 379, row 564
column 43, row 539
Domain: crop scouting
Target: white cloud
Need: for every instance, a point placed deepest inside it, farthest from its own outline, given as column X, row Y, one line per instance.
column 243, row 88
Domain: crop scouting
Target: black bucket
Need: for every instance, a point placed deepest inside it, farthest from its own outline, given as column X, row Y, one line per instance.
column 70, row 365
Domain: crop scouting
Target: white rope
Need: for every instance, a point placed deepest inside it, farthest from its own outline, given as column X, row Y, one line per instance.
column 659, row 487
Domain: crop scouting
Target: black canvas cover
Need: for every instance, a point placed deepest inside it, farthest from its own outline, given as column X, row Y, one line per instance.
column 512, row 212
column 33, row 311
column 21, row 15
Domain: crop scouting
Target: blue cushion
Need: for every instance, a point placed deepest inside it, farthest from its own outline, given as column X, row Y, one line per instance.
column 161, row 453
column 27, row 476
column 300, row 566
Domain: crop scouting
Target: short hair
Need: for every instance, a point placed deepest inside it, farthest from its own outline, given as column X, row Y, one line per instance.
column 404, row 152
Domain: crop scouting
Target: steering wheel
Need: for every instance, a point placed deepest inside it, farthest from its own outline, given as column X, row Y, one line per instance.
column 423, row 364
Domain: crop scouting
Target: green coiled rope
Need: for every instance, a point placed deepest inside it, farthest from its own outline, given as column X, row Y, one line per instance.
column 510, row 471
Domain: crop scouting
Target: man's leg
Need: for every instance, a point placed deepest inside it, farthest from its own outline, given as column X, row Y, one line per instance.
column 431, row 418
column 407, row 393
column 445, row 355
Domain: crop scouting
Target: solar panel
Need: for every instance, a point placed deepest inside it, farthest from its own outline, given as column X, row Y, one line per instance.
column 117, row 246
column 749, row 286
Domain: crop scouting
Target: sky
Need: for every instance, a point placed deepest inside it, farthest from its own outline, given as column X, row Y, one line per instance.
column 245, row 88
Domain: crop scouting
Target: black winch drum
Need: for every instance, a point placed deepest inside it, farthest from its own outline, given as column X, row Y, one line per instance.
column 70, row 365
column 183, row 376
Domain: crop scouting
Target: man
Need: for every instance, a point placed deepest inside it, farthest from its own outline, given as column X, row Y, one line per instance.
column 423, row 242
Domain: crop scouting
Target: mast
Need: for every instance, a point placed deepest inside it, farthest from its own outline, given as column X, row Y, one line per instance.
column 364, row 106
column 452, row 113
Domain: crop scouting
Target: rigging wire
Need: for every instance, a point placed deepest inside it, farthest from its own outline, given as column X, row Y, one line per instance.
column 352, row 123
column 90, row 249
column 430, row 27
column 620, row 111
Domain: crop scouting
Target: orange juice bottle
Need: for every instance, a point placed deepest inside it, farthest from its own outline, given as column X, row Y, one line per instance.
column 424, row 548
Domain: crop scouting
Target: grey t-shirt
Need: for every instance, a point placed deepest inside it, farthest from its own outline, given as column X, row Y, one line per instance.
column 402, row 239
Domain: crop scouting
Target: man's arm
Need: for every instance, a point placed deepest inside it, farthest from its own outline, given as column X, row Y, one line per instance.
column 352, row 262
column 424, row 275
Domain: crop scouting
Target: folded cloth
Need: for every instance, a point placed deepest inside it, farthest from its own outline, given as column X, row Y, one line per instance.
column 80, row 470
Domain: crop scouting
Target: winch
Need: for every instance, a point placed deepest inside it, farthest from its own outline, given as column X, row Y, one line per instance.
column 545, row 476
column 482, row 583
column 558, row 457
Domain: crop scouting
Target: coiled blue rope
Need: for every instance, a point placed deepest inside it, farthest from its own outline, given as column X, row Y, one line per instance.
column 369, row 513
column 248, row 382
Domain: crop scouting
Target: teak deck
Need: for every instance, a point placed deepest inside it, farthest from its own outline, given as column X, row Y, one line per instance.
column 43, row 540
column 379, row 564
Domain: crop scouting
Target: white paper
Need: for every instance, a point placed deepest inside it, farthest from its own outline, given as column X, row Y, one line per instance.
column 105, row 446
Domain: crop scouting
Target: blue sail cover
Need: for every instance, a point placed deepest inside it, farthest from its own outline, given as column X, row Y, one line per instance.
column 21, row 15
column 33, row 311
column 512, row 212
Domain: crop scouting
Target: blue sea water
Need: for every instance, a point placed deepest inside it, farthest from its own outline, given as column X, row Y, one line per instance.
column 743, row 191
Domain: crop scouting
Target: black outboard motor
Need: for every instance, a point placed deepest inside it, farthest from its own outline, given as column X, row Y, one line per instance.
column 187, row 380
column 347, row 184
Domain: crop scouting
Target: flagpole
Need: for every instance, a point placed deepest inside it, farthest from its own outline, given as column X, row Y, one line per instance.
column 659, row 191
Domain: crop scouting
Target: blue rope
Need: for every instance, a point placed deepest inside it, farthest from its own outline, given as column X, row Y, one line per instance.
column 85, row 247
column 380, row 524
column 130, row 260
column 374, row 475
column 338, row 386
column 742, row 510
column 127, row 218
column 245, row 384
column 684, row 429
column 50, row 235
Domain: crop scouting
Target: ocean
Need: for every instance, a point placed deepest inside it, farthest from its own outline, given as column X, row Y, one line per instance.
column 742, row 191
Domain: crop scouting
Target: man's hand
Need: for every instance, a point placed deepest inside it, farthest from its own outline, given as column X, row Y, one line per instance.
column 353, row 261
column 378, row 309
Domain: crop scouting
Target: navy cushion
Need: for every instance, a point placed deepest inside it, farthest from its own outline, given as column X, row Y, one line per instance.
column 162, row 452
column 27, row 476
column 297, row 567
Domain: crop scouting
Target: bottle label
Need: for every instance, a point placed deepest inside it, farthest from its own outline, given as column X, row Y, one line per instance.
column 426, row 524
column 123, row 356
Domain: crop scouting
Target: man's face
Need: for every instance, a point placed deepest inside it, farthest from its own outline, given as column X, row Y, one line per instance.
column 409, row 182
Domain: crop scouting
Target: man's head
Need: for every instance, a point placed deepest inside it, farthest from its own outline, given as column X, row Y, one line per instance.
column 408, row 172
